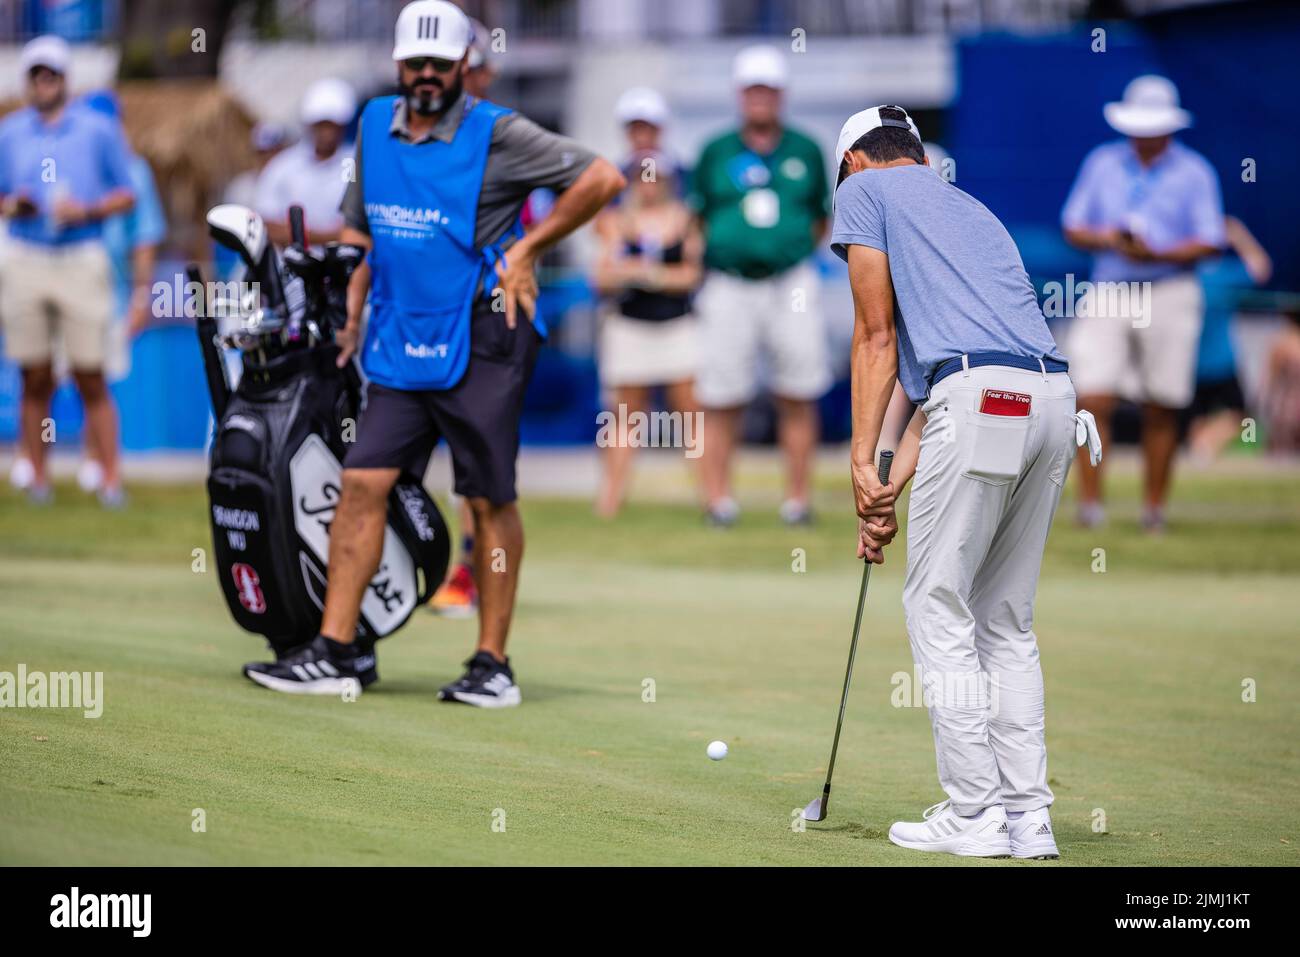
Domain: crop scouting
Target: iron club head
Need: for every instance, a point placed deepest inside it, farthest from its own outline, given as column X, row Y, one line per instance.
column 815, row 811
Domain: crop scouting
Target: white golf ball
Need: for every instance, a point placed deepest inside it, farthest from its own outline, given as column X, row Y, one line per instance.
column 717, row 750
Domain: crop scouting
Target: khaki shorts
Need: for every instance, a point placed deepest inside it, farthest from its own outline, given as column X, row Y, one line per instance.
column 1144, row 351
column 53, row 294
column 777, row 321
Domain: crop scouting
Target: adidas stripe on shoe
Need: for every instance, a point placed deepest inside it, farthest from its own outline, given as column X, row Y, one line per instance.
column 320, row 667
column 1031, row 835
column 943, row 830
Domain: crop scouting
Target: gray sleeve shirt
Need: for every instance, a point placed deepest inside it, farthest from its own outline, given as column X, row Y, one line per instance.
column 522, row 157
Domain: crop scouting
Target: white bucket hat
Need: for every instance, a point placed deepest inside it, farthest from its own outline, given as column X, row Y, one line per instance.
column 433, row 28
column 1149, row 108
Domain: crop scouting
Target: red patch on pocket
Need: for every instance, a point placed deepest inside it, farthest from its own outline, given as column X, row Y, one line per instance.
column 998, row 402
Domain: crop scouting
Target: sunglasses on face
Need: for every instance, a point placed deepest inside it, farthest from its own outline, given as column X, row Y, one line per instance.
column 416, row 64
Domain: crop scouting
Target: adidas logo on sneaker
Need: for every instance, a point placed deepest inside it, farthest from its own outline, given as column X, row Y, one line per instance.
column 1003, row 828
column 1043, row 830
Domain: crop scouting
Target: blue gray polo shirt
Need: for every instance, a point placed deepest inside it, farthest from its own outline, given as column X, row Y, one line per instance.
column 1174, row 200
column 81, row 155
column 959, row 283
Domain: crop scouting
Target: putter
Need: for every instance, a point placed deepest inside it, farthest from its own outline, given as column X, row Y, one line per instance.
column 816, row 811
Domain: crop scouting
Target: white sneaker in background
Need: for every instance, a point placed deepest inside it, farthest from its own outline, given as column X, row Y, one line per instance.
column 944, row 830
column 1092, row 515
column 795, row 512
column 723, row 513
column 90, row 475
column 1031, row 834
column 113, row 499
column 22, row 474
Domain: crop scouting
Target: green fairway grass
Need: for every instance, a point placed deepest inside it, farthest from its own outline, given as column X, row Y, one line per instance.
column 1145, row 662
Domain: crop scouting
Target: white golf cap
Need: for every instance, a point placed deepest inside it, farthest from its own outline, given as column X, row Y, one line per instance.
column 1149, row 108
column 760, row 65
column 859, row 124
column 47, row 51
column 431, row 28
column 329, row 101
column 641, row 103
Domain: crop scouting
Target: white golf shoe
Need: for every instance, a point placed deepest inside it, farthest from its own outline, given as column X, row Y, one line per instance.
column 1031, row 835
column 946, row 831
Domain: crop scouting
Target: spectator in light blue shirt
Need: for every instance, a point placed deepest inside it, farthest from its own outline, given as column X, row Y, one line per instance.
column 1149, row 209
column 63, row 171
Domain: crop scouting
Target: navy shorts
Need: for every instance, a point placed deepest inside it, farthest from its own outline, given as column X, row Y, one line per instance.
column 478, row 417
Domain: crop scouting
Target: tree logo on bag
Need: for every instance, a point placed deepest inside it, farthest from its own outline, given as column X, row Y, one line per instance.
column 249, row 588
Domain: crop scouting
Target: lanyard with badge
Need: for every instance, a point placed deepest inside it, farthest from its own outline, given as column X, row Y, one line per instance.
column 760, row 205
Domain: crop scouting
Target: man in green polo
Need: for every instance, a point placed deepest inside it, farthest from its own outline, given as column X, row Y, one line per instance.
column 762, row 196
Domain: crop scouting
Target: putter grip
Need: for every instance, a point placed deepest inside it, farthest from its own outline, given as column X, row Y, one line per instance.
column 882, row 468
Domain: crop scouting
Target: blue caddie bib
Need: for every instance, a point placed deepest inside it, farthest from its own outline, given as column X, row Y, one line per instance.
column 422, row 204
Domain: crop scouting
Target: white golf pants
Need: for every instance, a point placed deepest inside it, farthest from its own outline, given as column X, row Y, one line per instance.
column 983, row 497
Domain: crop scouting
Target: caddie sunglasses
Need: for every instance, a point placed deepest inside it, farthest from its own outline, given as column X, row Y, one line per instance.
column 417, row 64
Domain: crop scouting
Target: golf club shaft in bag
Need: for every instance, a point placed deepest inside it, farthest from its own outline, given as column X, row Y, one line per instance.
column 817, row 810
column 213, row 366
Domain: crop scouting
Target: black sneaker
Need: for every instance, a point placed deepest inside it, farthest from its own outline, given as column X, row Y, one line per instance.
column 487, row 683
column 320, row 667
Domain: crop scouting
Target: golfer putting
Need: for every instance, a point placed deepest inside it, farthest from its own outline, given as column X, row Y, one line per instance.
column 942, row 303
column 452, row 336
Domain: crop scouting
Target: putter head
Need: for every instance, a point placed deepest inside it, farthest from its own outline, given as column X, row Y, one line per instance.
column 816, row 811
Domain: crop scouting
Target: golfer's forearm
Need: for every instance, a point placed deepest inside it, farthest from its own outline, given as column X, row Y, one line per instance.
column 874, row 370
column 595, row 186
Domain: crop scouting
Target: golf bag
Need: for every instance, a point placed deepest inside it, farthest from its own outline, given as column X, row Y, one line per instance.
column 274, row 481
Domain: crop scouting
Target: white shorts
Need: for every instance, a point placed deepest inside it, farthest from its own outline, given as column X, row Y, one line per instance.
column 637, row 352
column 744, row 321
column 1146, row 352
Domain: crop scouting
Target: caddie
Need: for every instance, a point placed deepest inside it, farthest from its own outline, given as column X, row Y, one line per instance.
column 942, row 303
column 441, row 179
